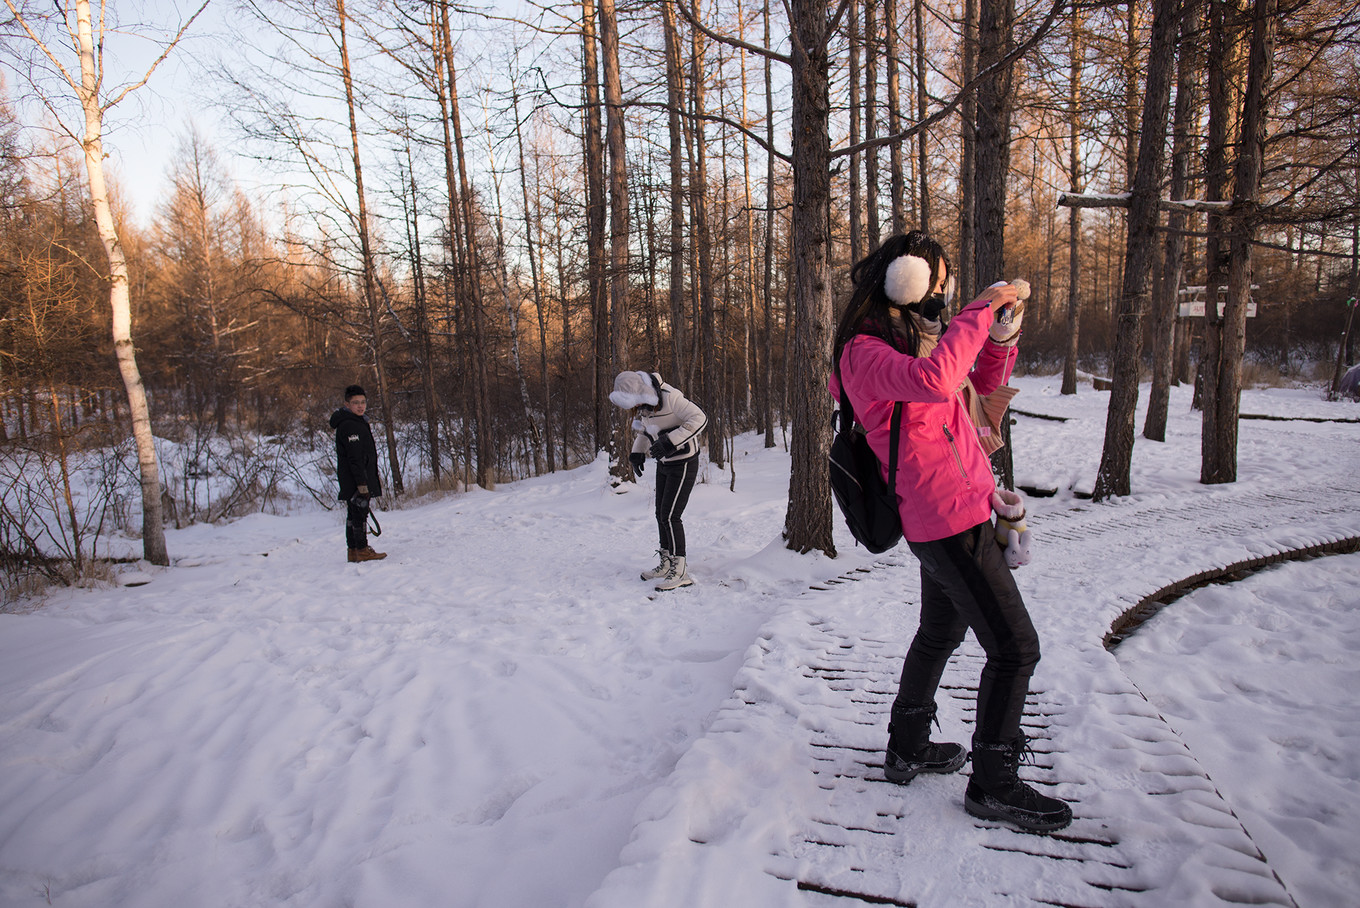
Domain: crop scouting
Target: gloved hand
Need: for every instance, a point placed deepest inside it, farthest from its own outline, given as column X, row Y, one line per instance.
column 363, row 490
column 1011, row 532
column 662, row 447
column 638, row 460
column 1006, row 328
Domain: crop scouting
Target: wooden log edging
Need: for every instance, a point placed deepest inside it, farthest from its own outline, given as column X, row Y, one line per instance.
column 1134, row 616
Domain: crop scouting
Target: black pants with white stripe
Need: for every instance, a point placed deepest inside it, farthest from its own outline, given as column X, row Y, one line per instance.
column 674, row 480
column 965, row 584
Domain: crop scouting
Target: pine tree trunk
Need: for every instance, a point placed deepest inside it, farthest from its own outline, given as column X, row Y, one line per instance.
column 996, row 96
column 1116, row 460
column 618, row 219
column 595, row 226
column 922, row 98
column 710, row 387
column 768, row 371
column 807, row 523
column 1224, row 72
column 675, row 133
column 897, row 188
column 857, row 250
column 1242, row 233
column 1074, row 97
column 1173, row 261
column 871, row 123
column 968, row 161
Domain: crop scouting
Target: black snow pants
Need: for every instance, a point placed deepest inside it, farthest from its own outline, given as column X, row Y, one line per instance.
column 965, row 584
column 674, row 480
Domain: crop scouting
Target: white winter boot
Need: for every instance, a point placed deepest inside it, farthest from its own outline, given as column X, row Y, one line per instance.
column 662, row 569
column 677, row 576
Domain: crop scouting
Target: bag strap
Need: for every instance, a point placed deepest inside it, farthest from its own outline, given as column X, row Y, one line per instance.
column 847, row 418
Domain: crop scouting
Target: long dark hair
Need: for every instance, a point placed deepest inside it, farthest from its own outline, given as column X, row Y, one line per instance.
column 868, row 311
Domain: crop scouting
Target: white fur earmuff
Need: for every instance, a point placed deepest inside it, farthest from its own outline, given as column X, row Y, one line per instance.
column 907, row 280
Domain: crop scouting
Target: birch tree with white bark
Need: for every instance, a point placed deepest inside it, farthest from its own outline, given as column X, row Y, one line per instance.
column 60, row 51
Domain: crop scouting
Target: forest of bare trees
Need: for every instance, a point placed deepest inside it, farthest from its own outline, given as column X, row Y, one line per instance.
column 484, row 215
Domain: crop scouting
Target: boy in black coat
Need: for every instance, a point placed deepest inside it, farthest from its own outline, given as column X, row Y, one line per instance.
column 356, row 466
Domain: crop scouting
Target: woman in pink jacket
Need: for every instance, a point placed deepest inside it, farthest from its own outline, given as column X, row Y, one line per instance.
column 891, row 346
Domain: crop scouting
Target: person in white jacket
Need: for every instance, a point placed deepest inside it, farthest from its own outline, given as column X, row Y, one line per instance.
column 667, row 426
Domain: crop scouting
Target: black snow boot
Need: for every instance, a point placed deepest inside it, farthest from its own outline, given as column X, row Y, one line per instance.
column 995, row 791
column 910, row 750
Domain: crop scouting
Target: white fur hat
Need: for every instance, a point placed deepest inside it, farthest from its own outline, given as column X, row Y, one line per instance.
column 632, row 389
column 907, row 280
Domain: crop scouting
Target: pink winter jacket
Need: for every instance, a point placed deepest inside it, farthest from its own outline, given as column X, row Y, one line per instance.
column 944, row 480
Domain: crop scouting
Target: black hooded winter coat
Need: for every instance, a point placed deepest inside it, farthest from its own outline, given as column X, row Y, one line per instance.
column 356, row 454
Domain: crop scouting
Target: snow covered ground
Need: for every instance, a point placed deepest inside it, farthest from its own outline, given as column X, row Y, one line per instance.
column 502, row 714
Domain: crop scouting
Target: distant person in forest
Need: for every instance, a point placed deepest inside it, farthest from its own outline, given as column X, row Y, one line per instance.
column 892, row 345
column 356, row 466
column 667, row 427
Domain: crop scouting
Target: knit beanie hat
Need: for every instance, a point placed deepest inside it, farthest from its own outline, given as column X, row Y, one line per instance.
column 632, row 389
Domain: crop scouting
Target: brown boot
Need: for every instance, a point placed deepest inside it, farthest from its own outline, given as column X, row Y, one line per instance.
column 366, row 554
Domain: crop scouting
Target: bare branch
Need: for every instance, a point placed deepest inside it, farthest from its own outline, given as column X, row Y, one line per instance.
column 159, row 60
column 38, row 42
column 693, row 20
column 1016, row 53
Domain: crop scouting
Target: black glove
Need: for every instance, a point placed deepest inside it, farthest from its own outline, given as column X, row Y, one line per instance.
column 662, row 447
column 360, row 502
column 638, row 460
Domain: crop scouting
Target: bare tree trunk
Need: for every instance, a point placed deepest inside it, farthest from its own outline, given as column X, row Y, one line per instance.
column 711, row 384
column 367, row 264
column 618, row 216
column 1074, row 97
column 564, row 294
column 484, row 439
column 768, row 372
column 1225, row 70
column 1168, row 288
column 922, row 97
column 996, row 96
column 807, row 523
column 595, row 223
column 968, row 162
column 674, row 96
column 856, row 116
column 1242, row 233
column 424, row 343
column 533, row 220
column 871, row 121
column 897, row 188
column 750, row 346
column 512, row 301
column 1116, row 460
column 120, row 299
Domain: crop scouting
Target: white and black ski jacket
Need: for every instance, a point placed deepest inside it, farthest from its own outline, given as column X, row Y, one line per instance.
column 674, row 416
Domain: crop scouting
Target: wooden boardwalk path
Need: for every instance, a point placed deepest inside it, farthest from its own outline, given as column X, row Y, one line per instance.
column 816, row 687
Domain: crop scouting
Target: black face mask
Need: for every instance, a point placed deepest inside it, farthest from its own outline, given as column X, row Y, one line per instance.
column 933, row 305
